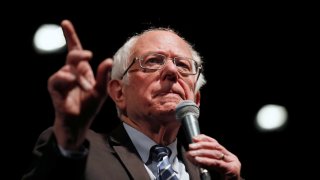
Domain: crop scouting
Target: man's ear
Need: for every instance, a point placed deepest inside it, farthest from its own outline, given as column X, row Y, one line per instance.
column 197, row 98
column 115, row 91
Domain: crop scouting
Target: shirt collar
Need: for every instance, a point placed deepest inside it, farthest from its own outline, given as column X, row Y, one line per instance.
column 143, row 143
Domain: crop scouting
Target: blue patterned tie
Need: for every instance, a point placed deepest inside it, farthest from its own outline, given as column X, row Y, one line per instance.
column 161, row 155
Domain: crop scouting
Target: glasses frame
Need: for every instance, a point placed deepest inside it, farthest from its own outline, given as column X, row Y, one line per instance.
column 140, row 59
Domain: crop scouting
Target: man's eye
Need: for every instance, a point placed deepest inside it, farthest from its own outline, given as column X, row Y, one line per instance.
column 183, row 64
column 154, row 60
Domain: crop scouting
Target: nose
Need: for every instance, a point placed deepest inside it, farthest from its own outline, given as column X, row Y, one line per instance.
column 171, row 63
column 169, row 71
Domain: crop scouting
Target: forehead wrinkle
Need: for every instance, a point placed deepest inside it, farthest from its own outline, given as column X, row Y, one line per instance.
column 161, row 41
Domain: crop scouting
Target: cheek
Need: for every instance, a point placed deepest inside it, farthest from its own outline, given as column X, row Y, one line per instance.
column 140, row 88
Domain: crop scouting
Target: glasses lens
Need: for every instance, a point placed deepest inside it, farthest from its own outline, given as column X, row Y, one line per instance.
column 157, row 61
column 186, row 66
column 153, row 61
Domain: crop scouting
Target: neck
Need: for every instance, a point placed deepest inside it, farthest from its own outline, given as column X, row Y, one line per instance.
column 163, row 133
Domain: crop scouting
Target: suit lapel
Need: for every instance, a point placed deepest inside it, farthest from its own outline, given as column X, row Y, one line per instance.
column 126, row 151
column 128, row 154
column 192, row 169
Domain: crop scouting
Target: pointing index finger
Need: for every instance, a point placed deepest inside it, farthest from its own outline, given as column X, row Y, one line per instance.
column 71, row 36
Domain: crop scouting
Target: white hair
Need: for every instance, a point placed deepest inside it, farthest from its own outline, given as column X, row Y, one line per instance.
column 122, row 59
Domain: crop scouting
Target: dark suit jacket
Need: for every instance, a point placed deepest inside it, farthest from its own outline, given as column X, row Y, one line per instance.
column 110, row 156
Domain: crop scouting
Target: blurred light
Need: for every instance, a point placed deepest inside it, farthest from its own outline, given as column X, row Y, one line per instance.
column 49, row 39
column 271, row 117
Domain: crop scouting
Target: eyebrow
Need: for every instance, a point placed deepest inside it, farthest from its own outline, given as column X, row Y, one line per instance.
column 163, row 53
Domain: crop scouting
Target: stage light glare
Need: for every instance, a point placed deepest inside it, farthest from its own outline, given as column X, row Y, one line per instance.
column 49, row 38
column 271, row 117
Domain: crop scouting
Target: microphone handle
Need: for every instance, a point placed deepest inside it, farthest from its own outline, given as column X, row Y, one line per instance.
column 191, row 126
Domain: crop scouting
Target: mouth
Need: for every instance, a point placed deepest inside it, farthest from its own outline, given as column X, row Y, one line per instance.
column 170, row 94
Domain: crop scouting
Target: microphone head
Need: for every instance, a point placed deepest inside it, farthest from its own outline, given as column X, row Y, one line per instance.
column 186, row 107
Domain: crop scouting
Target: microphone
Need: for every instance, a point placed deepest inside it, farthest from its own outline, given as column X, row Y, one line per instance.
column 187, row 112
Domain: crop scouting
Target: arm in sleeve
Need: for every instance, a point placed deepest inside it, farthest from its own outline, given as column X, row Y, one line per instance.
column 49, row 162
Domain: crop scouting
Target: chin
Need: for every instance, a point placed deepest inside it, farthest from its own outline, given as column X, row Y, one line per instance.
column 169, row 104
column 170, row 100
column 169, row 108
column 166, row 105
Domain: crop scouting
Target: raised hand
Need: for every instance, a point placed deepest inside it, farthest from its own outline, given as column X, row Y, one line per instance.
column 76, row 94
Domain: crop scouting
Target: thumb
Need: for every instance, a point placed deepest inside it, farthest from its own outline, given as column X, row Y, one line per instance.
column 103, row 76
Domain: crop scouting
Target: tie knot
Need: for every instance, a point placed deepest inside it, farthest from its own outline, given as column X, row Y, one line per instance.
column 158, row 152
column 161, row 154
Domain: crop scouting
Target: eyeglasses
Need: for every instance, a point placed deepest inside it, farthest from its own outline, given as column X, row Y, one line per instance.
column 155, row 61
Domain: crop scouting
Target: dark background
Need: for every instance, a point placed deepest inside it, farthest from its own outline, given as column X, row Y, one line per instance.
column 253, row 56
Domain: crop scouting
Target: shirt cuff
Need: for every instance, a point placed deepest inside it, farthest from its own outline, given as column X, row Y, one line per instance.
column 74, row 154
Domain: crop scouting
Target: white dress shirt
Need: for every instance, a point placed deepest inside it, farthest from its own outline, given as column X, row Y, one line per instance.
column 143, row 144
